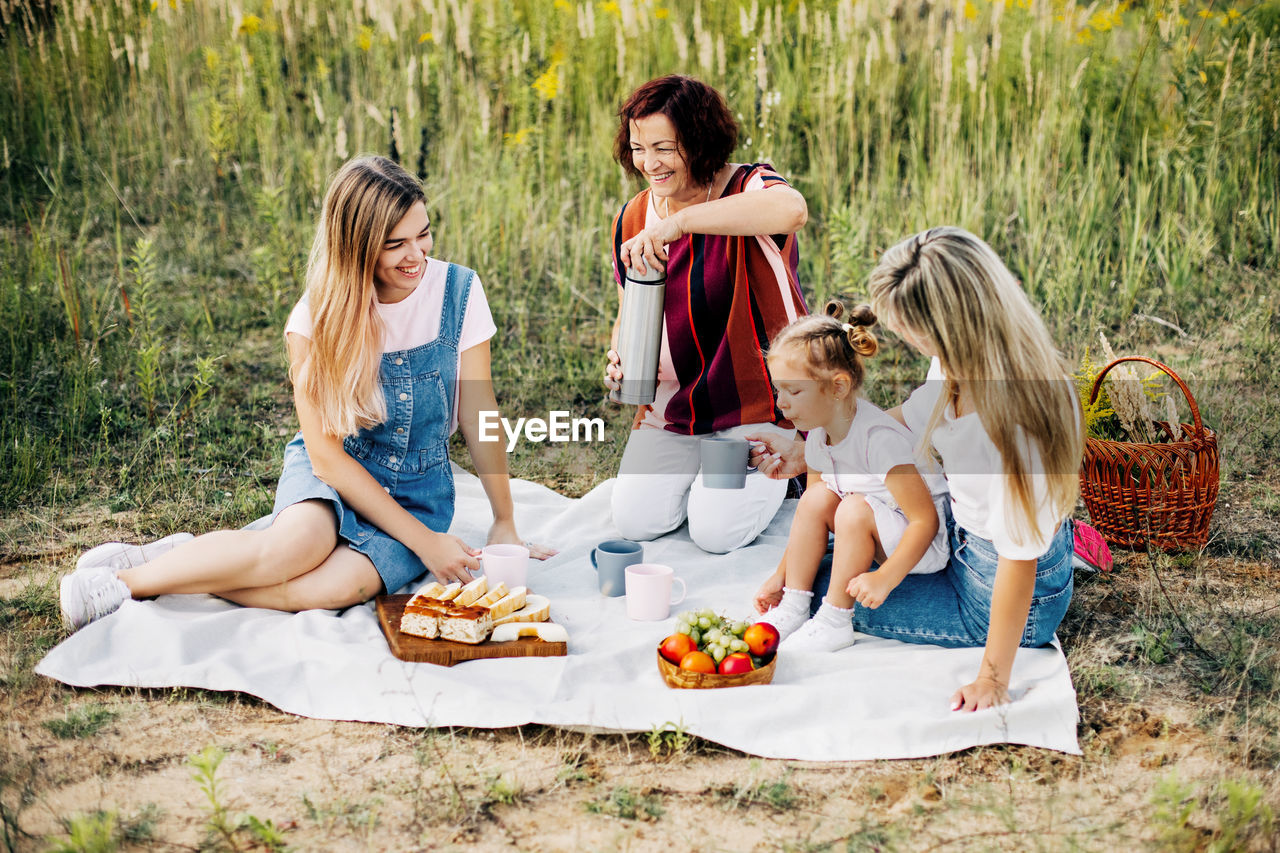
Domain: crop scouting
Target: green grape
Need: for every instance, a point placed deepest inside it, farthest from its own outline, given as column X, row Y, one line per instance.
column 739, row 645
column 704, row 622
column 687, row 616
column 682, row 627
column 718, row 653
column 739, row 628
column 713, row 635
column 707, row 614
column 696, row 636
column 725, row 641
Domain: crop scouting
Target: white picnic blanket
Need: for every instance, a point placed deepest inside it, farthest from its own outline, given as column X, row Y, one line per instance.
column 878, row 699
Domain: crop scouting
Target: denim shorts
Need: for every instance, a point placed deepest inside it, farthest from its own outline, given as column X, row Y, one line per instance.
column 396, row 564
column 953, row 607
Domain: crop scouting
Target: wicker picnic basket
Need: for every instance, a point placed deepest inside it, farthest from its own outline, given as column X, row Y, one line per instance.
column 1152, row 495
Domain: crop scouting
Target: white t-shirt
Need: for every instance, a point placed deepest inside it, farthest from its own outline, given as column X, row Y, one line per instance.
column 874, row 446
column 415, row 320
column 974, row 468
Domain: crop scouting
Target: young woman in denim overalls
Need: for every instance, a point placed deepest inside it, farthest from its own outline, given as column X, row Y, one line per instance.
column 387, row 345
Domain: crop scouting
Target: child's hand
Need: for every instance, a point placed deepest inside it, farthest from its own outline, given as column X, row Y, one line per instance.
column 870, row 589
column 504, row 533
column 769, row 594
column 450, row 559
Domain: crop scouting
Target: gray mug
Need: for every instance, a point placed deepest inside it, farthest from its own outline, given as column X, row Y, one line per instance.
column 724, row 462
column 610, row 559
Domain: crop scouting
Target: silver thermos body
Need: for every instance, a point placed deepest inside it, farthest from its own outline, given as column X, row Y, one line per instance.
column 640, row 335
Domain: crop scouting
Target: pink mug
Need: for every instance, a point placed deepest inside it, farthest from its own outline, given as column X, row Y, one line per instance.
column 506, row 563
column 649, row 591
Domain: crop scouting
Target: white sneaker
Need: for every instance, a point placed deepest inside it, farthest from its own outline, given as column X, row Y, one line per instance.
column 785, row 619
column 820, row 635
column 118, row 555
column 89, row 595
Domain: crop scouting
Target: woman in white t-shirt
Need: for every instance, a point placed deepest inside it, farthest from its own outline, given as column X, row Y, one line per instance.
column 1003, row 417
column 388, row 353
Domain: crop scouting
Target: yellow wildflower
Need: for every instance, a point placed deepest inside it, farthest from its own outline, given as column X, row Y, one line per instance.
column 249, row 25
column 563, row 5
column 1085, row 36
column 365, row 39
column 548, row 83
column 661, row 13
column 1204, row 78
column 611, row 6
column 211, row 58
column 426, row 37
column 155, row 4
column 1233, row 13
column 970, row 11
column 1205, row 13
column 519, row 138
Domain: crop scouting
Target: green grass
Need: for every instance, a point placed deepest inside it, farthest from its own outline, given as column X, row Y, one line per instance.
column 82, row 722
column 160, row 171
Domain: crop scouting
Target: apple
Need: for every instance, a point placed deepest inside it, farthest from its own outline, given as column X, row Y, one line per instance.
column 736, row 664
column 675, row 647
column 761, row 638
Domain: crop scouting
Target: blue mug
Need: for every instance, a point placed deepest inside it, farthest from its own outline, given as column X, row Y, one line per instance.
column 610, row 560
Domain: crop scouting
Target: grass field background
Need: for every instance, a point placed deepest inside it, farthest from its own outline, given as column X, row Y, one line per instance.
column 161, row 168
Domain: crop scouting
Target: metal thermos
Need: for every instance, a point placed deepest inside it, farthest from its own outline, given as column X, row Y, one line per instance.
column 640, row 335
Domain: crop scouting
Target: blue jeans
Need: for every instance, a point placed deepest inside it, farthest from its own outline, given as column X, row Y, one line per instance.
column 953, row 607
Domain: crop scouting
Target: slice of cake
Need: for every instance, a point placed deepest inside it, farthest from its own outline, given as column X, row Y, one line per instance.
column 421, row 616
column 465, row 624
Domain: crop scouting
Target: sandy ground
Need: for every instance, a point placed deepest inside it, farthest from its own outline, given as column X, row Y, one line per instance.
column 1158, row 746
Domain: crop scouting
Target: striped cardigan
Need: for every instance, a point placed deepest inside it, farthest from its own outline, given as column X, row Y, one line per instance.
column 726, row 297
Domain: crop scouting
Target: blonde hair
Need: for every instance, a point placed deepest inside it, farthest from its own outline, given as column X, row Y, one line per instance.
column 949, row 289
column 340, row 376
column 828, row 344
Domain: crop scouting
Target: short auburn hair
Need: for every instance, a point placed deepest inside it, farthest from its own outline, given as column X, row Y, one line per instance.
column 706, row 130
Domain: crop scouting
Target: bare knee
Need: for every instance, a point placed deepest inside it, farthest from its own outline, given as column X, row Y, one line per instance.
column 302, row 537
column 854, row 516
column 818, row 504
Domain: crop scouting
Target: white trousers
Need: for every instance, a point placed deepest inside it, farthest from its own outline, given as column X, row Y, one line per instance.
column 660, row 485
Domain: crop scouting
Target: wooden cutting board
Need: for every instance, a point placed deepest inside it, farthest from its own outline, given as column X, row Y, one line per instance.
column 447, row 652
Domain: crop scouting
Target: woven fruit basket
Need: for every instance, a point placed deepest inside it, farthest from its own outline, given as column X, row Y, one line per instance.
column 687, row 679
column 1161, row 495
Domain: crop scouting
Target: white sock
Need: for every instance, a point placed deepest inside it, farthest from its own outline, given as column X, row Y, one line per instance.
column 833, row 615
column 795, row 599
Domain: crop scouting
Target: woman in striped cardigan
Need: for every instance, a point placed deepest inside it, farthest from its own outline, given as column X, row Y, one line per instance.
column 725, row 233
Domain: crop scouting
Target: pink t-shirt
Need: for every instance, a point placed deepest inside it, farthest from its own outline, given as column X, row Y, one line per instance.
column 415, row 320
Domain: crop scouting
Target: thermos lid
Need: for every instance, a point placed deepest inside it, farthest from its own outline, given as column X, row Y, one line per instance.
column 654, row 275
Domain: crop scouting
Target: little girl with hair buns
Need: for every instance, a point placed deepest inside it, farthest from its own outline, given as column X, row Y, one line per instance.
column 864, row 485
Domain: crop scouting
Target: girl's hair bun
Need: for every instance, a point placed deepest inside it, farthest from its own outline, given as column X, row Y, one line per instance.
column 862, row 315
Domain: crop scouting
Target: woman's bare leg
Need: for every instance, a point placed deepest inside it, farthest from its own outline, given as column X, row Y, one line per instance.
column 345, row 578
column 300, row 539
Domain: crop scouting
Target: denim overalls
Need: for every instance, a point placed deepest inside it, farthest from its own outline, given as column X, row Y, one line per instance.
column 408, row 454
